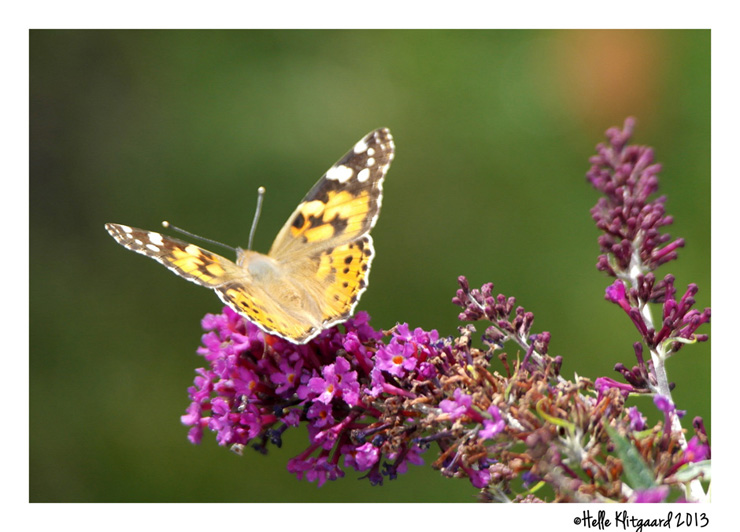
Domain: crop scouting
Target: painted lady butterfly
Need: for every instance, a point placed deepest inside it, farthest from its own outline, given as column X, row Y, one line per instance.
column 318, row 265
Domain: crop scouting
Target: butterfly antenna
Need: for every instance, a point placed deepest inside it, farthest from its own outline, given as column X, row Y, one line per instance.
column 258, row 210
column 198, row 237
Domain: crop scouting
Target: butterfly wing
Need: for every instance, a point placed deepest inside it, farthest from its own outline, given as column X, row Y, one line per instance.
column 326, row 242
column 273, row 301
column 189, row 261
column 249, row 290
column 344, row 204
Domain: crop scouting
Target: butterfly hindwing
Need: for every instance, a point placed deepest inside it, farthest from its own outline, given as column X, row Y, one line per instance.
column 266, row 309
column 344, row 272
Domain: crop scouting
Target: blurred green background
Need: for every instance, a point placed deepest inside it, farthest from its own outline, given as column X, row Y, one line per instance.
column 493, row 132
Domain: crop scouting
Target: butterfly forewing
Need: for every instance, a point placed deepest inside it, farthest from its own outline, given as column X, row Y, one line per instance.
column 344, row 204
column 187, row 260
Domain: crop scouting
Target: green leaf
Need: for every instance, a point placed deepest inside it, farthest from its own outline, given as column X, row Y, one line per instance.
column 636, row 471
column 693, row 470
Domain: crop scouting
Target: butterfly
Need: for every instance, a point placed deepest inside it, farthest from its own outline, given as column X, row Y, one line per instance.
column 318, row 265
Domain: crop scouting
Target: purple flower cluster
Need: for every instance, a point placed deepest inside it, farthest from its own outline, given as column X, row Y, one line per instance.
column 626, row 176
column 508, row 322
column 633, row 247
column 680, row 320
column 344, row 385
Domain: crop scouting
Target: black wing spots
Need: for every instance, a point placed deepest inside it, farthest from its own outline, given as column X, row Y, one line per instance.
column 246, row 307
column 339, row 224
column 314, row 221
column 237, row 298
column 299, row 221
column 365, row 249
column 303, row 224
column 361, row 245
column 203, row 271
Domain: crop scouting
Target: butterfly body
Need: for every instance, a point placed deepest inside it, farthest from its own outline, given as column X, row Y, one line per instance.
column 318, row 265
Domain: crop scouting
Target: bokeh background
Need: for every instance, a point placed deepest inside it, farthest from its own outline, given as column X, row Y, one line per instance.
column 493, row 133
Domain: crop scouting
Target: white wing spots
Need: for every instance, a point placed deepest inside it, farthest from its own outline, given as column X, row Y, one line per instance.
column 339, row 173
column 363, row 175
column 126, row 229
column 192, row 250
column 156, row 238
column 361, row 146
column 138, row 242
column 371, row 161
column 370, row 152
column 153, row 248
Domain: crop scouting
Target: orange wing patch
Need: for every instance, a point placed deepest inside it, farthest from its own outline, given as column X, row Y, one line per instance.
column 344, row 214
column 343, row 271
column 198, row 263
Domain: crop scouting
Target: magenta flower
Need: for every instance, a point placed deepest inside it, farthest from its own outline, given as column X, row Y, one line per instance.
column 337, row 381
column 651, row 495
column 617, row 294
column 193, row 418
column 397, row 358
column 602, row 384
column 695, row 451
column 321, row 414
column 664, row 404
column 361, row 458
column 315, row 469
column 287, row 376
column 637, row 420
column 222, row 422
column 458, row 406
column 492, row 426
column 480, row 478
